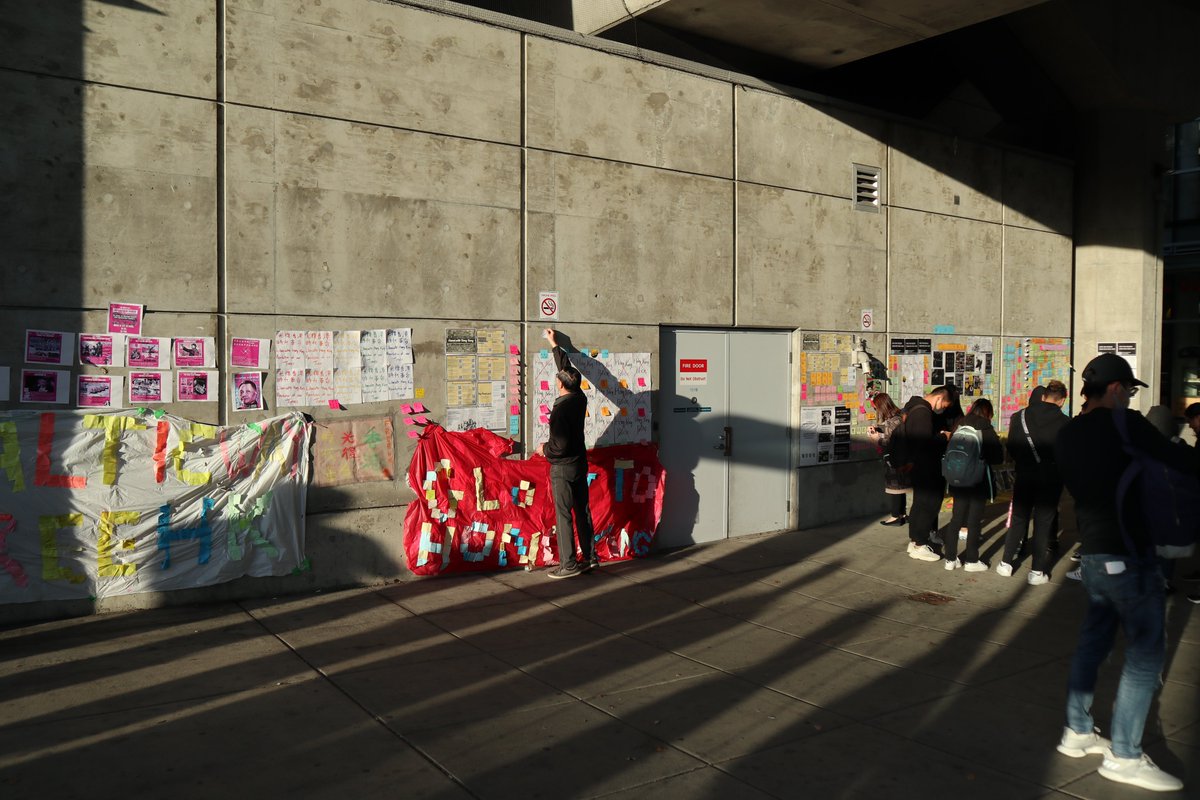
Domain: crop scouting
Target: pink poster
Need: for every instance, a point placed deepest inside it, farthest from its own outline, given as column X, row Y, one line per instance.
column 125, row 318
column 252, row 353
column 148, row 387
column 44, row 386
column 146, row 352
column 247, row 391
column 196, row 387
column 98, row 391
column 102, row 349
column 194, row 351
column 49, row 347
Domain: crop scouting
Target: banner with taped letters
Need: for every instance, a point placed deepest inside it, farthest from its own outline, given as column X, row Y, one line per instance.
column 106, row 504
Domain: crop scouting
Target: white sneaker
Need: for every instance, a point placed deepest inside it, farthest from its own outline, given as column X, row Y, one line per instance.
column 952, row 564
column 1138, row 772
column 922, row 552
column 975, row 566
column 1078, row 745
column 1037, row 578
column 1075, row 574
column 1004, row 569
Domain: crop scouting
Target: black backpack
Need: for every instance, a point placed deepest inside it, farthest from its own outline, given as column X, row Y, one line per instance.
column 1170, row 499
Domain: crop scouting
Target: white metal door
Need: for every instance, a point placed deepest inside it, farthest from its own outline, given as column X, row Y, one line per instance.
column 724, row 433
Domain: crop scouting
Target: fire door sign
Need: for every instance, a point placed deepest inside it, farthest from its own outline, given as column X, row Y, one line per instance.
column 693, row 371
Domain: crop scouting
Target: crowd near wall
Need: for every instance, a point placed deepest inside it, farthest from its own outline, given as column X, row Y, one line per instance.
column 250, row 166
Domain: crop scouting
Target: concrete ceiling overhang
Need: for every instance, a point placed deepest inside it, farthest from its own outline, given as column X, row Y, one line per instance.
column 816, row 33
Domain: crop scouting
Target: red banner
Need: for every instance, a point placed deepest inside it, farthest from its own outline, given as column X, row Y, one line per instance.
column 477, row 511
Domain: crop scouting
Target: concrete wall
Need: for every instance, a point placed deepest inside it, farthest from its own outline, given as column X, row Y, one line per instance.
column 255, row 165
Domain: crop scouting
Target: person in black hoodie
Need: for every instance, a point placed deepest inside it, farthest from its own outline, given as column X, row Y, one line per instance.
column 970, row 501
column 1038, row 487
column 567, row 454
column 919, row 449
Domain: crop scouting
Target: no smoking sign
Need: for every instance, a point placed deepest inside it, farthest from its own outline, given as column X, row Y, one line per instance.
column 868, row 319
column 548, row 305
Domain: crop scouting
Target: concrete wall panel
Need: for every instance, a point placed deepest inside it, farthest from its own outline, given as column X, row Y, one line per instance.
column 944, row 271
column 375, row 62
column 122, row 206
column 944, row 174
column 1037, row 283
column 622, row 243
column 585, row 102
column 808, row 260
column 786, row 142
column 1038, row 193
column 164, row 45
column 335, row 217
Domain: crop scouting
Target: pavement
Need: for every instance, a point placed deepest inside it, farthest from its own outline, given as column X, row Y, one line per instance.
column 820, row 664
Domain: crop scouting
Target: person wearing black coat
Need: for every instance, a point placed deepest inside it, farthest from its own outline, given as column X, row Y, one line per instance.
column 971, row 501
column 918, row 452
column 1038, row 486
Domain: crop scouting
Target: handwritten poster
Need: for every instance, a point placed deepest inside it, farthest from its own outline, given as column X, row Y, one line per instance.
column 354, row 451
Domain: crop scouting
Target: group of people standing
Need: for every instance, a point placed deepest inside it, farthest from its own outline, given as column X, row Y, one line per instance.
column 1122, row 574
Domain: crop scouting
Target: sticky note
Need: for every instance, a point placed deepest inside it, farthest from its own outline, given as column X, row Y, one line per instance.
column 604, row 412
column 624, row 412
column 544, row 353
column 604, row 383
column 406, row 408
column 604, row 354
column 545, row 409
column 418, row 393
column 624, row 383
column 544, row 419
column 545, row 386
column 159, row 413
column 409, row 421
column 514, row 409
column 641, row 412
column 335, row 405
column 512, row 348
column 414, row 434
column 422, row 420
column 641, row 381
column 584, row 385
column 516, row 362
column 418, row 408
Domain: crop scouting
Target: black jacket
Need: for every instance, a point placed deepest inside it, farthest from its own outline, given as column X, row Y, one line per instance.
column 566, row 443
column 993, row 450
column 921, row 444
column 1045, row 420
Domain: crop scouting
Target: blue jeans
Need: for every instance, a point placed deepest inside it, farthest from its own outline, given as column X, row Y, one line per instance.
column 1133, row 599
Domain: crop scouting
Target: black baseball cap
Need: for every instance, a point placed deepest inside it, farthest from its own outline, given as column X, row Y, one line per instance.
column 1108, row 367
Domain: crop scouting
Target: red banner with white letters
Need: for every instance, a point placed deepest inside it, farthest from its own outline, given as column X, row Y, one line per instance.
column 479, row 511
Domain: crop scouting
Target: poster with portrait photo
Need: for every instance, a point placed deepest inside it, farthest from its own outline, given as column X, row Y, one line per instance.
column 49, row 347
column 102, row 349
column 99, row 391
column 148, row 351
column 149, row 387
column 45, row 386
column 200, row 386
column 246, row 391
column 194, row 351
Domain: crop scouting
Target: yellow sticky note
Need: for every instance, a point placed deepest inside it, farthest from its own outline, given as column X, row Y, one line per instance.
column 583, row 384
column 419, row 393
column 604, row 411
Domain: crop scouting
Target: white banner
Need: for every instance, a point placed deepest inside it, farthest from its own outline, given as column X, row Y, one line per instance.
column 113, row 503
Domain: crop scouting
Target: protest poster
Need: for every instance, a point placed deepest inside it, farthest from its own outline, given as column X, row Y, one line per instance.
column 45, row 386
column 149, row 387
column 148, row 352
column 102, row 349
column 49, row 347
column 194, row 351
column 197, row 386
column 99, row 391
column 125, row 318
column 250, row 353
column 246, row 391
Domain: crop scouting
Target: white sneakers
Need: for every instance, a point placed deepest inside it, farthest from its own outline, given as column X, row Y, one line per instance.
column 952, row 564
column 975, row 566
column 1037, row 578
column 922, row 552
column 1076, row 574
column 1138, row 772
column 1004, row 569
column 1078, row 745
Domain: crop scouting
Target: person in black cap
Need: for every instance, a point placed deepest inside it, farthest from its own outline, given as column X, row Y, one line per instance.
column 567, row 454
column 1124, row 588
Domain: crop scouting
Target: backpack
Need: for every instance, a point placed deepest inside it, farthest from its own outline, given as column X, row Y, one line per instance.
column 1170, row 499
column 962, row 465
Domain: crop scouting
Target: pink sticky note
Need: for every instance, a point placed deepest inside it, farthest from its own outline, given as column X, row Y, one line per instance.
column 406, row 408
column 545, row 386
column 514, row 409
column 545, row 409
column 409, row 421
column 641, row 412
column 335, row 405
column 641, row 381
column 544, row 419
column 512, row 348
column 516, row 362
column 418, row 408
column 414, row 434
column 422, row 421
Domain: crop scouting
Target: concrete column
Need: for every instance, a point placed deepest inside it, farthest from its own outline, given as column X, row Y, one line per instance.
column 1118, row 225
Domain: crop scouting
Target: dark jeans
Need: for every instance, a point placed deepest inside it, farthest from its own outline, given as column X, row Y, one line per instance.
column 969, row 505
column 568, row 484
column 923, row 514
column 1132, row 599
column 1037, row 498
column 897, row 504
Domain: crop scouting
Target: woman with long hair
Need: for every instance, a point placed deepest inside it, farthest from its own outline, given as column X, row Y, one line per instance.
column 895, row 485
column 971, row 501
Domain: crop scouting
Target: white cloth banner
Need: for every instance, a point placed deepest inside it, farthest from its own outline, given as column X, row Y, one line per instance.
column 113, row 503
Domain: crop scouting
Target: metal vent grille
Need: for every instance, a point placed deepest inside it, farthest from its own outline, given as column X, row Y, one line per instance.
column 866, row 187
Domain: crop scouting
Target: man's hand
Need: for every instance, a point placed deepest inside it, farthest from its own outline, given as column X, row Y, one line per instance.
column 550, row 337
